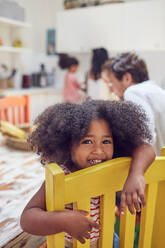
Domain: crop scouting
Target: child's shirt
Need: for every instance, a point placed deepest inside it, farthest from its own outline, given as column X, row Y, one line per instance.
column 71, row 88
column 94, row 214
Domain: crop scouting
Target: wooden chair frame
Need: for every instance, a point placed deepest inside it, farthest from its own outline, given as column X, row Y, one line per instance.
column 105, row 180
column 15, row 109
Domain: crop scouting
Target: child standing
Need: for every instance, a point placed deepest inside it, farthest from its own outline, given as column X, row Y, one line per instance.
column 71, row 85
column 77, row 136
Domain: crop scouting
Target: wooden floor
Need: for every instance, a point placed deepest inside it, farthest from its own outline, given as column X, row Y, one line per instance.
column 21, row 175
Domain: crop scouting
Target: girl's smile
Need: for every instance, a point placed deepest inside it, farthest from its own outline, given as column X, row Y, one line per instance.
column 96, row 147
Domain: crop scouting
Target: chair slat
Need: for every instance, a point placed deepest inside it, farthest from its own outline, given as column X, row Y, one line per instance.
column 27, row 109
column 54, row 190
column 85, row 205
column 7, row 114
column 14, row 116
column 127, row 230
column 158, row 235
column 20, row 115
column 2, row 115
column 147, row 216
column 107, row 220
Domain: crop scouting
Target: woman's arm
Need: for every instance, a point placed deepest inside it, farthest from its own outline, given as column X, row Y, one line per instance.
column 134, row 187
column 36, row 220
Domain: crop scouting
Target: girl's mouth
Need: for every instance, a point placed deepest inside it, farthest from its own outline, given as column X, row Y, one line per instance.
column 95, row 161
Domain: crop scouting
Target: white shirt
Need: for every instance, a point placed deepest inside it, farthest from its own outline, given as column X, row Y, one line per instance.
column 99, row 90
column 152, row 98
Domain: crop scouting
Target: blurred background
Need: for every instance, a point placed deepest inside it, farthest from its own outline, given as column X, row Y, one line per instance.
column 33, row 33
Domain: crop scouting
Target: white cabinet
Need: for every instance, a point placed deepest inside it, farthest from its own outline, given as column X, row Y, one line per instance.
column 143, row 25
column 10, row 30
column 80, row 30
column 136, row 25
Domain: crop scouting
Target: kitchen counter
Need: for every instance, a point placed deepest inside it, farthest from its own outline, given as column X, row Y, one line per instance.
column 21, row 175
column 30, row 91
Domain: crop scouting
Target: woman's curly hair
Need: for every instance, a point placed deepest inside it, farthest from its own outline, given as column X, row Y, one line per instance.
column 61, row 125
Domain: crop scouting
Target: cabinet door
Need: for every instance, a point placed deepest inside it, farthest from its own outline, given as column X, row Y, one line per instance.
column 143, row 25
column 80, row 30
column 72, row 31
column 105, row 24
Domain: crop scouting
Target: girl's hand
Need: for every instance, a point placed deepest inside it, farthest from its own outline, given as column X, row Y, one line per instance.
column 78, row 225
column 133, row 191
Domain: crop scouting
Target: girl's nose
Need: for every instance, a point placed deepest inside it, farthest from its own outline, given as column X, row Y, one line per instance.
column 98, row 149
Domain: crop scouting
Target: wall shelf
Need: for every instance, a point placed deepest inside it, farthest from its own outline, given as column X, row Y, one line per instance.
column 14, row 23
column 13, row 49
column 8, row 27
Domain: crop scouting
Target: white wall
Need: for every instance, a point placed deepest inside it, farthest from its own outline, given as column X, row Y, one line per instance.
column 156, row 66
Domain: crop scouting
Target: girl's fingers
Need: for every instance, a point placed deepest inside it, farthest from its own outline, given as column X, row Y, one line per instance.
column 87, row 235
column 142, row 198
column 93, row 224
column 83, row 212
column 123, row 203
column 130, row 204
column 81, row 239
column 136, row 201
column 89, row 228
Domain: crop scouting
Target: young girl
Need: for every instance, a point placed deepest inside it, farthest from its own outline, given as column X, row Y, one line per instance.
column 77, row 136
column 71, row 85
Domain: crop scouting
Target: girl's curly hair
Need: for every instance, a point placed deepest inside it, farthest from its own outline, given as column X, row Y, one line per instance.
column 61, row 125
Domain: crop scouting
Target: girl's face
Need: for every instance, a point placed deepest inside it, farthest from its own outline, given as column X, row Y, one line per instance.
column 95, row 147
column 73, row 68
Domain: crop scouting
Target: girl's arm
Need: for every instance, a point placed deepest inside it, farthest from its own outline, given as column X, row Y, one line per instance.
column 77, row 84
column 134, row 187
column 36, row 220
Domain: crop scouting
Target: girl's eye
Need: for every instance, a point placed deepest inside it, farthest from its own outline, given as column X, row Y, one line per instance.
column 107, row 142
column 86, row 142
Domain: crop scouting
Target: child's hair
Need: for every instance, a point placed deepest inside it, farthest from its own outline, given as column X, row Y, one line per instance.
column 128, row 62
column 62, row 125
column 66, row 61
column 100, row 55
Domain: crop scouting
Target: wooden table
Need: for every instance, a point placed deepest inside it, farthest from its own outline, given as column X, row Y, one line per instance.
column 21, row 175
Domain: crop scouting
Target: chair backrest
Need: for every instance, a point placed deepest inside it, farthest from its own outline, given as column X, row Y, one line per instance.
column 105, row 180
column 15, row 109
column 163, row 151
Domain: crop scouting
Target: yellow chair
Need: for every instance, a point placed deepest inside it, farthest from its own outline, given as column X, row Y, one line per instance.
column 163, row 151
column 104, row 180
